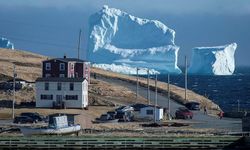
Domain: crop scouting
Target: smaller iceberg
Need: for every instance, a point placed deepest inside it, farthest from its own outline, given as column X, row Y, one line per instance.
column 218, row 60
column 5, row 43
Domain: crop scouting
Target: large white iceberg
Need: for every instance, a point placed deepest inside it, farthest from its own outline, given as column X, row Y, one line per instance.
column 5, row 43
column 218, row 60
column 115, row 37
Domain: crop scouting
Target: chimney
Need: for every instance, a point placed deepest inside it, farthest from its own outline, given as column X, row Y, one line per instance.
column 64, row 56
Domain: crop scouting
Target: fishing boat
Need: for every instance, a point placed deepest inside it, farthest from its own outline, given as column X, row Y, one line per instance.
column 58, row 125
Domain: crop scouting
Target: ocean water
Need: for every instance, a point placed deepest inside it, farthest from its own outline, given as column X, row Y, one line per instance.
column 226, row 91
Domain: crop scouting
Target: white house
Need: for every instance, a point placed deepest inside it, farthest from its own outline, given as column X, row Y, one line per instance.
column 72, row 91
column 151, row 111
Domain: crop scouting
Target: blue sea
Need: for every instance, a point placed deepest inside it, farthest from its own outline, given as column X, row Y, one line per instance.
column 226, row 91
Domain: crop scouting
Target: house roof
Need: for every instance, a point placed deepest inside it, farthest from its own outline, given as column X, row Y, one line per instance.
column 55, row 79
column 68, row 60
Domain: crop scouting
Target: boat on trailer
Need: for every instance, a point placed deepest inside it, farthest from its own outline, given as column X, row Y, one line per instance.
column 58, row 125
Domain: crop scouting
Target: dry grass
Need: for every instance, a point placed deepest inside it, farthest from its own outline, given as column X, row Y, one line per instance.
column 177, row 93
column 103, row 93
column 23, row 95
column 28, row 65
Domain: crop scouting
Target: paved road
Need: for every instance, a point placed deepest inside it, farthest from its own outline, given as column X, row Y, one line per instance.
column 199, row 121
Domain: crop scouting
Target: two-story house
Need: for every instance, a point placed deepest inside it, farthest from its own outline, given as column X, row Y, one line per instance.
column 64, row 81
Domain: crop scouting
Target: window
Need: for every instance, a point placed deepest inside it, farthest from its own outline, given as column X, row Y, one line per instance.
column 47, row 66
column 62, row 66
column 71, row 86
column 46, row 86
column 47, row 75
column 71, row 97
column 46, row 97
column 61, row 75
column 59, row 86
column 71, row 70
column 149, row 112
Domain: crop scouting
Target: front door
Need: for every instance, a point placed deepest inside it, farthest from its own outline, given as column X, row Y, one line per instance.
column 59, row 98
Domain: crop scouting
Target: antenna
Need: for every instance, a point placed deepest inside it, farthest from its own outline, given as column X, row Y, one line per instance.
column 79, row 43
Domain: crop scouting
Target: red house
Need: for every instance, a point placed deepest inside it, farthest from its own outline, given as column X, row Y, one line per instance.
column 66, row 68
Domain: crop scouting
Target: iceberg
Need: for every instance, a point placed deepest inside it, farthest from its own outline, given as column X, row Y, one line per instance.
column 218, row 60
column 125, row 69
column 116, row 37
column 5, row 43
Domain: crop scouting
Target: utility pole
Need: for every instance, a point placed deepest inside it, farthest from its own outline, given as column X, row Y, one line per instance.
column 185, row 78
column 14, row 91
column 169, row 98
column 79, row 44
column 148, row 94
column 155, row 97
column 137, row 83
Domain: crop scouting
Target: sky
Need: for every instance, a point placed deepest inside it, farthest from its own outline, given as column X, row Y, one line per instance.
column 51, row 27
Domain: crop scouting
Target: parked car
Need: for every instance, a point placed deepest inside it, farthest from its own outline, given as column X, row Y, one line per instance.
column 35, row 116
column 119, row 108
column 112, row 114
column 193, row 105
column 124, row 116
column 23, row 119
column 124, row 108
column 183, row 113
column 138, row 106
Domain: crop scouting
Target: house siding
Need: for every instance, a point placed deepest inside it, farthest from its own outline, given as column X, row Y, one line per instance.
column 79, row 69
column 55, row 68
column 79, row 90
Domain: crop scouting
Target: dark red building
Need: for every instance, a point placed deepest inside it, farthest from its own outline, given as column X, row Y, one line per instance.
column 66, row 68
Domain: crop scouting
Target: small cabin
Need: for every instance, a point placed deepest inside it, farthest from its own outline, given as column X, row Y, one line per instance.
column 151, row 112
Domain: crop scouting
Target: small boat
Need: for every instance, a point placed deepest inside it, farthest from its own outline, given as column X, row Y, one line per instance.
column 59, row 126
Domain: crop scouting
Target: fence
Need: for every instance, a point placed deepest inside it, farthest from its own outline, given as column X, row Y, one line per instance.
column 59, row 142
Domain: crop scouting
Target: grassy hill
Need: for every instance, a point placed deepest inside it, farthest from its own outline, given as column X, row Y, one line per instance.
column 28, row 67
